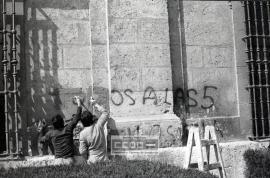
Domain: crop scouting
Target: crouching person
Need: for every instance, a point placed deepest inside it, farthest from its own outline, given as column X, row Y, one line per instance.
column 92, row 137
column 62, row 136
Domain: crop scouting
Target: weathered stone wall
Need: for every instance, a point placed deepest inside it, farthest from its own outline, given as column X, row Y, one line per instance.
column 202, row 65
column 210, row 59
column 141, row 71
column 138, row 58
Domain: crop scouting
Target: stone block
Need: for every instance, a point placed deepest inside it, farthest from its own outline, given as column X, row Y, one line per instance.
column 72, row 78
column 41, row 81
column 122, row 30
column 207, row 11
column 76, row 56
column 169, row 131
column 68, row 107
column 216, row 11
column 157, row 77
column 227, row 155
column 229, row 172
column 86, row 79
column 67, row 31
column 154, row 55
column 76, row 14
column 213, row 76
column 123, row 9
column 238, row 160
column 192, row 10
column 245, row 125
column 208, row 33
column 124, row 55
column 98, row 31
column 84, row 32
column 98, row 9
column 243, row 83
column 138, row 9
column 194, row 56
column 218, row 57
column 153, row 9
column 131, row 55
column 101, row 78
column 216, row 87
column 153, row 31
column 99, row 56
column 124, row 78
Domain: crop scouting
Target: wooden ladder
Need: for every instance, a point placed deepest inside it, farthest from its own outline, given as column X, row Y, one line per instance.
column 210, row 138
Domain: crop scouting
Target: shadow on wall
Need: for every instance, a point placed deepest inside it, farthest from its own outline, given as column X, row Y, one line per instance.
column 178, row 55
column 178, row 61
column 42, row 63
column 41, row 71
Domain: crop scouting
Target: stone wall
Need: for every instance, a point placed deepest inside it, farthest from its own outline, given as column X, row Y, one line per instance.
column 232, row 154
column 210, row 59
column 141, row 59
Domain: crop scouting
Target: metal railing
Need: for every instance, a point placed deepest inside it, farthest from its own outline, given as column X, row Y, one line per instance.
column 257, row 21
column 9, row 65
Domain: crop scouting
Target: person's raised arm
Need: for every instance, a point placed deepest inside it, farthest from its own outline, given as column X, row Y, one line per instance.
column 77, row 118
column 104, row 113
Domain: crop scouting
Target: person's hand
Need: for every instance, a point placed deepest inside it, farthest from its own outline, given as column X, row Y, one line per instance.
column 92, row 100
column 78, row 100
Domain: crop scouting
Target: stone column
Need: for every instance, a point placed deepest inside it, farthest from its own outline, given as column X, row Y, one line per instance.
column 141, row 72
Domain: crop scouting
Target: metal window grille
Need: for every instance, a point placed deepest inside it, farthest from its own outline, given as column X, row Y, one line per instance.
column 257, row 21
column 9, row 89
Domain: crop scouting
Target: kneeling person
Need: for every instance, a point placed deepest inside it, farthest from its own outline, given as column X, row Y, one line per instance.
column 62, row 136
column 92, row 137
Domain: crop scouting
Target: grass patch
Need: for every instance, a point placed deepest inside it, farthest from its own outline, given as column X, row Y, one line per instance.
column 106, row 169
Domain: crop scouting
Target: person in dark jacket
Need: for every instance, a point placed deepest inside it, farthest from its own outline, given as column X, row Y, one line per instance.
column 62, row 136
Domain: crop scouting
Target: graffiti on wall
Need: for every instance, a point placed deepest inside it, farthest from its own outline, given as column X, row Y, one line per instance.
column 169, row 134
column 118, row 97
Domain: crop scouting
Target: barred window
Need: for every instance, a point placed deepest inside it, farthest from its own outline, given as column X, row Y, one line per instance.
column 257, row 21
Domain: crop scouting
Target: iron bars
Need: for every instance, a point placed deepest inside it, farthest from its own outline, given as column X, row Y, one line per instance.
column 257, row 21
column 6, row 89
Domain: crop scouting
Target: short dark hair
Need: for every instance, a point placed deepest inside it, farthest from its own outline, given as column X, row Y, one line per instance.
column 87, row 118
column 58, row 121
